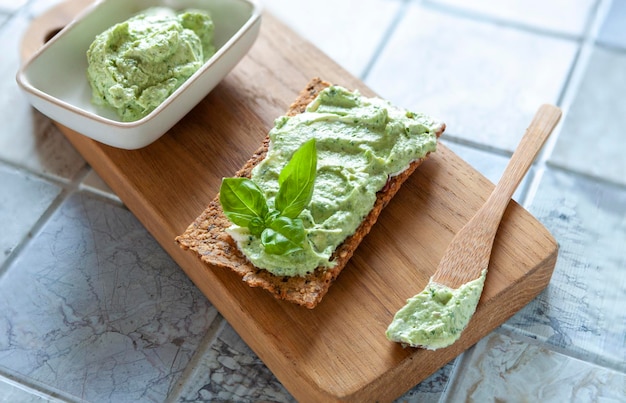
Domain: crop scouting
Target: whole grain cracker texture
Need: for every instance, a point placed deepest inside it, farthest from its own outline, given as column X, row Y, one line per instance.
column 207, row 236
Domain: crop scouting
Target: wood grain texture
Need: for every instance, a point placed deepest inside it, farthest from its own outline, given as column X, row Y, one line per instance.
column 337, row 351
column 207, row 235
column 469, row 252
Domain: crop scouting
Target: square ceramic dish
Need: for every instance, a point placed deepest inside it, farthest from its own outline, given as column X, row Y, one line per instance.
column 55, row 80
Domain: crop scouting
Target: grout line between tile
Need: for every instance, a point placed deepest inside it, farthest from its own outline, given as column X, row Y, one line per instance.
column 214, row 330
column 565, row 100
column 211, row 334
column 610, row 47
column 34, row 229
column 35, row 388
column 568, row 94
column 485, row 147
column 503, row 22
column 529, row 339
column 67, row 189
column 454, row 373
column 585, row 175
column 54, row 179
column 391, row 28
column 571, row 352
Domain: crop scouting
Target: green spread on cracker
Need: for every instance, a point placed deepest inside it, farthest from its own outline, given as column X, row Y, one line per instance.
column 360, row 143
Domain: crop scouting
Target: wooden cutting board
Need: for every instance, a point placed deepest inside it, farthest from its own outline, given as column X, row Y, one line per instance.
column 338, row 351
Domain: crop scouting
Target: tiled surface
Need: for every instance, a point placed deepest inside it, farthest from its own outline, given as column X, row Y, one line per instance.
column 505, row 369
column 315, row 21
column 102, row 312
column 613, row 30
column 489, row 164
column 582, row 310
column 92, row 309
column 28, row 139
column 561, row 16
column 594, row 124
column 24, row 200
column 92, row 182
column 12, row 393
column 230, row 371
column 486, row 79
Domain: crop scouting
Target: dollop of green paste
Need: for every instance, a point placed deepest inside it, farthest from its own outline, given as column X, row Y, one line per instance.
column 361, row 142
column 436, row 317
column 135, row 65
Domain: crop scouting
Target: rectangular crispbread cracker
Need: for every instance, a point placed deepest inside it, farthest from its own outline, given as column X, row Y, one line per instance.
column 207, row 236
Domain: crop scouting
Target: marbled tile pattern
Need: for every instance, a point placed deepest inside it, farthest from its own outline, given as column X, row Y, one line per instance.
column 582, row 310
column 101, row 311
column 22, row 207
column 230, row 371
column 93, row 310
column 501, row 368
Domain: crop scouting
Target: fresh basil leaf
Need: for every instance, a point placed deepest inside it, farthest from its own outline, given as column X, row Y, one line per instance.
column 243, row 201
column 271, row 215
column 296, row 181
column 280, row 230
column 256, row 226
column 283, row 235
column 292, row 228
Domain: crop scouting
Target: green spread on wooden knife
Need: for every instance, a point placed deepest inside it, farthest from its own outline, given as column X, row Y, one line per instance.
column 436, row 317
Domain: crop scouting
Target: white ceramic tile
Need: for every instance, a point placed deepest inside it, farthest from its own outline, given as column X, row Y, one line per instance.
column 486, row 81
column 504, row 369
column 23, row 200
column 95, row 308
column 565, row 16
column 27, row 138
column 347, row 31
column 592, row 139
column 582, row 309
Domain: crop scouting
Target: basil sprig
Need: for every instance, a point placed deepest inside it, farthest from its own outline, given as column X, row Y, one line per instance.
column 280, row 230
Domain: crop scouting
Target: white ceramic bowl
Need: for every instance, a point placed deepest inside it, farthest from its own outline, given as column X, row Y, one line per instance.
column 55, row 80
